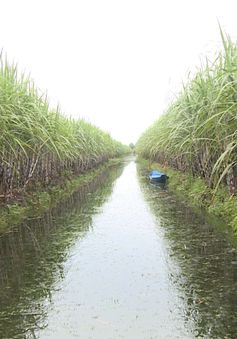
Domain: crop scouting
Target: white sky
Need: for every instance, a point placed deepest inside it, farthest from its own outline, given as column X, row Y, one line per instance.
column 114, row 63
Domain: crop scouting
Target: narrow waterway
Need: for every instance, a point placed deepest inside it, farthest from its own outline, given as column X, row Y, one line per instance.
column 120, row 259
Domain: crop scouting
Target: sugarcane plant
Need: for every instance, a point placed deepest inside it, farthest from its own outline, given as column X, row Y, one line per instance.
column 198, row 132
column 38, row 144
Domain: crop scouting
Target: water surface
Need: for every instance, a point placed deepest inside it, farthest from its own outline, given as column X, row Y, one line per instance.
column 120, row 259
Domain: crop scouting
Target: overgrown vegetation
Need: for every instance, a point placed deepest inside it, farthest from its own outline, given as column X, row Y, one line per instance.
column 198, row 132
column 194, row 191
column 40, row 145
column 36, row 202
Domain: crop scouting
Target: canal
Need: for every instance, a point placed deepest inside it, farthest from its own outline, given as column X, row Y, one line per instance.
column 120, row 259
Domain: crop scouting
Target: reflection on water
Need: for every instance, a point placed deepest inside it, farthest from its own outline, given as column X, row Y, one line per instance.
column 119, row 259
column 203, row 264
column 32, row 258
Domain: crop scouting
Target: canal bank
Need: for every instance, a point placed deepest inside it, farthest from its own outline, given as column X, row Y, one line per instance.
column 35, row 202
column 215, row 203
column 122, row 259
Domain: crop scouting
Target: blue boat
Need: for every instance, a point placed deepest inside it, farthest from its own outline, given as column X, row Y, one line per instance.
column 157, row 176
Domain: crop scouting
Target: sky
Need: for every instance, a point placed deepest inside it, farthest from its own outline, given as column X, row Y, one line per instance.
column 117, row 64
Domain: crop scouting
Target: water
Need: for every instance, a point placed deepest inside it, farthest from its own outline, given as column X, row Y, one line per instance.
column 120, row 259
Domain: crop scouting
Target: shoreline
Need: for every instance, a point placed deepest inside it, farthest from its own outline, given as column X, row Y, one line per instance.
column 34, row 204
column 219, row 203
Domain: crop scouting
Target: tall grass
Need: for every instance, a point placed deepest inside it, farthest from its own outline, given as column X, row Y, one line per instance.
column 198, row 132
column 38, row 144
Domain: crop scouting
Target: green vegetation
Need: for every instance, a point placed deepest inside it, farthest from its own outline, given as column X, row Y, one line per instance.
column 197, row 135
column 197, row 194
column 198, row 132
column 40, row 145
column 35, row 203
